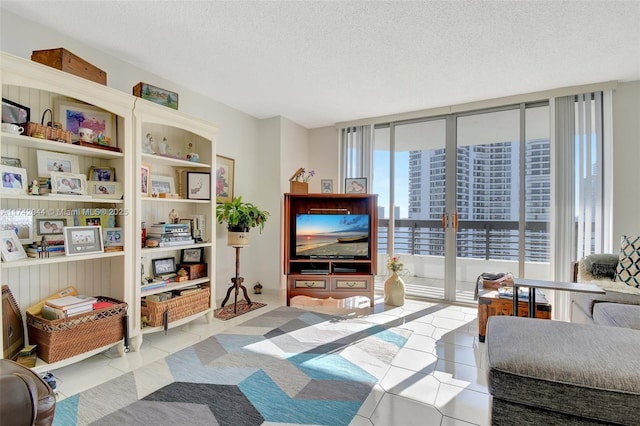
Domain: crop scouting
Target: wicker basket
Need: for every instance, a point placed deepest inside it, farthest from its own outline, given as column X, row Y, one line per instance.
column 67, row 337
column 49, row 132
column 178, row 307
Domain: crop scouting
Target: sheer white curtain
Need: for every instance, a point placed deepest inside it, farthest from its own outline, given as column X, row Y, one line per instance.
column 579, row 172
column 356, row 159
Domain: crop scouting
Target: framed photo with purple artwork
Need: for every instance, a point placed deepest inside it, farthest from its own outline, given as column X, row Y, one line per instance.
column 74, row 115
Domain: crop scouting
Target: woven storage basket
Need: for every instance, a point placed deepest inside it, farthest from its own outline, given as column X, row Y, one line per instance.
column 66, row 337
column 178, row 307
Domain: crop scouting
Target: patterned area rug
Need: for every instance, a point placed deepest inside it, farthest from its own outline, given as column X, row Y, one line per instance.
column 285, row 366
column 242, row 307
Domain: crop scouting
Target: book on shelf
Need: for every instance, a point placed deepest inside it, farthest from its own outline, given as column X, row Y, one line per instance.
column 166, row 228
column 154, row 284
column 169, row 235
column 70, row 302
column 102, row 305
column 176, row 243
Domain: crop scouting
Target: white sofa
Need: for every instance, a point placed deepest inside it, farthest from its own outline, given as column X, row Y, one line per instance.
column 619, row 307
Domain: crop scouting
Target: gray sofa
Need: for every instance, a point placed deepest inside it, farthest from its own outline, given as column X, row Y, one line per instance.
column 558, row 373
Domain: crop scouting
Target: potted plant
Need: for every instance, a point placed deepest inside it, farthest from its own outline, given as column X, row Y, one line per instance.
column 240, row 217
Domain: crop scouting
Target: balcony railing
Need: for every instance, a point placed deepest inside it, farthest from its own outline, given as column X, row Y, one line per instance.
column 490, row 240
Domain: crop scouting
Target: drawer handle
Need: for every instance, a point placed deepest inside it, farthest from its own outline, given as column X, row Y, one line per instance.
column 350, row 284
column 309, row 283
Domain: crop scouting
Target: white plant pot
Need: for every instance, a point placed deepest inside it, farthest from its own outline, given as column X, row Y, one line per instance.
column 238, row 239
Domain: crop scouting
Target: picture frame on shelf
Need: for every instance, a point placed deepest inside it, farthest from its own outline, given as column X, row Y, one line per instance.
column 199, row 185
column 10, row 246
column 95, row 217
column 49, row 161
column 111, row 190
column 15, row 113
column 68, row 183
column 112, row 239
column 79, row 240
column 102, row 174
column 225, row 179
column 14, row 180
column 50, row 227
column 327, row 186
column 355, row 185
column 163, row 266
column 21, row 224
column 10, row 161
column 162, row 185
column 75, row 115
column 145, row 180
column 192, row 255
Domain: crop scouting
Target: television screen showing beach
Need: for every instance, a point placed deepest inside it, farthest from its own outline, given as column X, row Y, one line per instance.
column 332, row 235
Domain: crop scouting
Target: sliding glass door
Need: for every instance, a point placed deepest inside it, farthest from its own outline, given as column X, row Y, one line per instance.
column 464, row 194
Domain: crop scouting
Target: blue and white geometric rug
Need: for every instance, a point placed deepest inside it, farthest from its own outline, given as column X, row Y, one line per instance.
column 285, row 366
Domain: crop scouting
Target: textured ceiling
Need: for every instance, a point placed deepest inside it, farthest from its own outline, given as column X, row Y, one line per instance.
column 322, row 62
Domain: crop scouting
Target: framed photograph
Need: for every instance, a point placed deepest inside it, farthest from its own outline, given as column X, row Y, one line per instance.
column 15, row 113
column 82, row 240
column 68, row 183
column 327, row 186
column 102, row 174
column 192, row 255
column 112, row 237
column 113, row 190
column 14, row 180
column 225, row 169
column 10, row 161
column 74, row 115
column 145, row 178
column 49, row 161
column 355, row 186
column 94, row 217
column 10, row 246
column 162, row 185
column 20, row 221
column 50, row 227
column 199, row 185
column 163, row 266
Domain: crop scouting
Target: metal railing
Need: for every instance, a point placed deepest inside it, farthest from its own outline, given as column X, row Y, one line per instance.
column 490, row 240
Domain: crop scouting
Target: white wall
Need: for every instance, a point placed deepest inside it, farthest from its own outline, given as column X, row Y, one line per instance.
column 626, row 160
column 324, row 157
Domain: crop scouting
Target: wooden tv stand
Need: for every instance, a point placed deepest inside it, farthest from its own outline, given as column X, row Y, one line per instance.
column 326, row 277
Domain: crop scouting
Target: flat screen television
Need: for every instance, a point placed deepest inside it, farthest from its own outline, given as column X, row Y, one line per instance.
column 332, row 236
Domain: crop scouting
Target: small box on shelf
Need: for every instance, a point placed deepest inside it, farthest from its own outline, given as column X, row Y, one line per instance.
column 194, row 270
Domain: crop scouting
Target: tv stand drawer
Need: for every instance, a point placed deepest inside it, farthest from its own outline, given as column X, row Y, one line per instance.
column 350, row 283
column 309, row 283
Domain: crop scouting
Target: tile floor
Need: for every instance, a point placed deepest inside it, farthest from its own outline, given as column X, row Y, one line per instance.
column 438, row 378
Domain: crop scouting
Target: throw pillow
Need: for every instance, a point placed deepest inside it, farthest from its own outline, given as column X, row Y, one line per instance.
column 628, row 270
column 602, row 265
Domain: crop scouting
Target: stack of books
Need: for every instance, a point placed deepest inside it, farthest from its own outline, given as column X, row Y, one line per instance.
column 63, row 307
column 523, row 293
column 56, row 248
column 170, row 234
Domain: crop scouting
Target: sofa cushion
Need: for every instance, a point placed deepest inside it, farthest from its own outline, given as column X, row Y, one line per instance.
column 587, row 301
column 602, row 265
column 617, row 315
column 628, row 269
column 583, row 370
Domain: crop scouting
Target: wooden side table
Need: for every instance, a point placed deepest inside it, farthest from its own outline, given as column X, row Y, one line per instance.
column 490, row 304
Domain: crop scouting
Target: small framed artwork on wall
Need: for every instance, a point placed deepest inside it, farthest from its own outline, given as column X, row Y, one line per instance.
column 224, row 178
